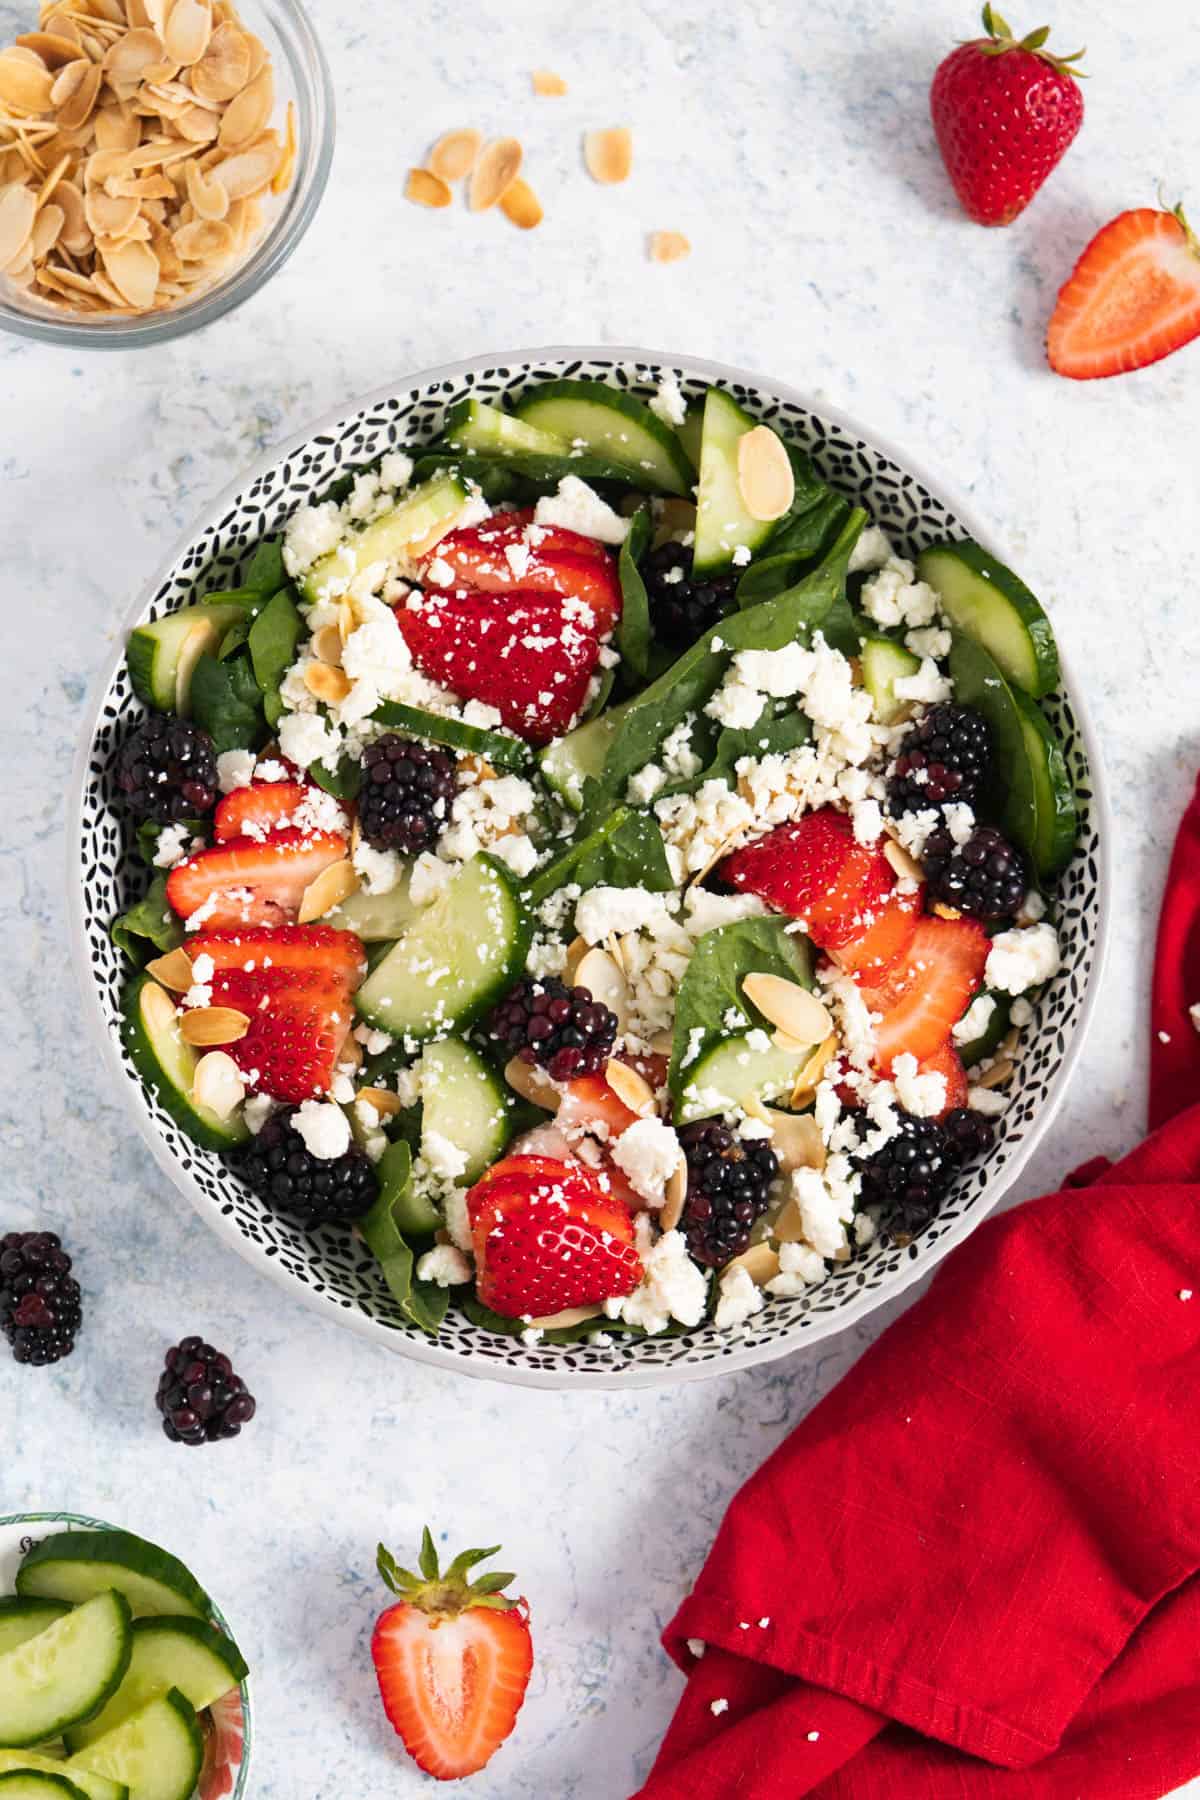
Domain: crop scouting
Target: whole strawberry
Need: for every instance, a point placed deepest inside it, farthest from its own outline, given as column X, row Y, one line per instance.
column 1004, row 111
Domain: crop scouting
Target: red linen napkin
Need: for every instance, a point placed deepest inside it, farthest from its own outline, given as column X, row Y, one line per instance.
column 970, row 1571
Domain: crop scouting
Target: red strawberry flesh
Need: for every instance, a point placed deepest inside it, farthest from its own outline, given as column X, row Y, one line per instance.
column 1132, row 298
column 549, row 1237
column 247, row 882
column 253, row 811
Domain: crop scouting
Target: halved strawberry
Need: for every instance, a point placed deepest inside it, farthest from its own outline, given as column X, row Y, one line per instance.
column 587, row 1102
column 931, row 987
column 1132, row 298
column 244, row 882
column 304, row 947
column 520, row 656
column 254, row 811
column 816, row 870
column 508, row 553
column 879, row 944
column 452, row 1659
column 299, row 1022
column 548, row 1235
column 948, row 1063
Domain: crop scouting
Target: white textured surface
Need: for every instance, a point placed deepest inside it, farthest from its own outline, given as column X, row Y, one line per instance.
column 827, row 251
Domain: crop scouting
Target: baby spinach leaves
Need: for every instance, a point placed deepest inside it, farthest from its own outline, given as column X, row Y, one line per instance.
column 149, row 923
column 712, row 984
column 272, row 641
column 626, row 851
column 421, row 1301
column 633, row 632
column 226, row 702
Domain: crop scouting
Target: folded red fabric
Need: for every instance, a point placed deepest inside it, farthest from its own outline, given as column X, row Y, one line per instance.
column 970, row 1569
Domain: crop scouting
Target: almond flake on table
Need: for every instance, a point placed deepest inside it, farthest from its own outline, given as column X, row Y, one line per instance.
column 521, row 206
column 497, row 167
column 609, row 154
column 547, row 84
column 454, row 154
column 668, row 246
column 425, row 188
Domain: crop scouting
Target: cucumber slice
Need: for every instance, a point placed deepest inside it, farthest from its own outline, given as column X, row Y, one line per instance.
column 1054, row 794
column 160, row 657
column 157, row 1753
column 987, row 602
column 722, row 522
column 150, row 1033
column 22, row 1619
column 989, row 1039
column 90, row 1785
column 74, row 1565
column 435, row 503
column 37, row 1784
column 883, row 662
column 188, row 1654
column 613, row 425
column 505, row 752
column 463, row 1099
column 568, row 761
column 454, row 960
column 66, row 1672
column 978, row 682
column 691, row 432
column 376, row 918
column 734, row 1072
column 474, row 425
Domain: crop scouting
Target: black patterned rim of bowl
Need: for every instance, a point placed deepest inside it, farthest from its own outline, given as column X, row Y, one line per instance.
column 333, row 1271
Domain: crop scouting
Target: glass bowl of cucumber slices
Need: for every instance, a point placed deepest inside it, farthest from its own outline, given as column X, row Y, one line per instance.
column 116, row 1669
column 571, row 667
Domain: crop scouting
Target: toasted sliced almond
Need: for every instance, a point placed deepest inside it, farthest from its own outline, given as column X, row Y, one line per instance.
column 632, row 1089
column 497, row 167
column 805, row 1087
column 52, row 180
column 117, row 128
column 206, row 193
column 46, row 229
column 53, row 48
column 609, row 154
column 676, row 1195
column 794, row 1009
column 662, row 1043
column 560, row 1321
column 765, row 477
column 668, row 246
column 331, row 887
column 187, row 31
column 258, row 54
column 25, row 83
column 218, row 1084
column 174, row 970
column 246, row 116
column 546, row 84
column 204, row 240
column 424, row 188
column 604, row 981
column 18, row 209
column 942, row 911
column 797, row 1142
column 760, row 1262
column 327, row 645
column 140, row 187
column 521, row 205
column 197, row 125
column 532, row 1084
column 1000, row 1071
column 386, row 1101
column 249, row 171
column 905, row 866
column 282, row 177
column 213, row 1025
column 133, row 268
column 453, row 156
column 326, row 683
column 577, row 949
column 224, row 69
column 129, row 57
column 107, row 217
column 1009, row 1043
column 78, row 108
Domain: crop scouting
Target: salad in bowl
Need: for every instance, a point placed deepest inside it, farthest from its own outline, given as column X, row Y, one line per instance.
column 599, row 880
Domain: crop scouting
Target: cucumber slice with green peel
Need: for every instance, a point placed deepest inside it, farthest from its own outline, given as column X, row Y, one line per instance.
column 722, row 522
column 568, row 762
column 1011, row 796
column 987, row 602
column 74, row 1565
column 1054, row 793
column 38, row 1784
column 691, row 432
column 22, row 1619
column 188, row 1654
column 67, row 1672
column 505, row 752
column 464, row 1100
column 474, row 425
column 613, row 425
column 157, row 1752
column 87, row 1783
column 883, row 663
column 376, row 918
column 437, row 502
column 988, row 1041
column 150, row 1033
column 735, row 1071
column 454, row 960
column 161, row 656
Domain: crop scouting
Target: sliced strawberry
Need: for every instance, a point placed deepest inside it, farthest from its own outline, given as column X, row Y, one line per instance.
column 589, row 1102
column 1132, row 298
column 254, row 811
column 923, row 995
column 243, row 882
column 452, row 1660
column 948, row 1063
column 880, row 943
column 304, row 947
column 299, row 1021
column 816, row 870
column 521, row 656
column 509, row 553
column 549, row 1237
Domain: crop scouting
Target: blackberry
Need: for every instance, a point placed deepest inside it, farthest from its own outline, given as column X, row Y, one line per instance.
column 167, row 770
column 406, row 795
column 682, row 609
column 729, row 1183
column 908, row 1177
column 40, row 1310
column 562, row 1029
column 943, row 758
column 315, row 1190
column 984, row 877
column 199, row 1396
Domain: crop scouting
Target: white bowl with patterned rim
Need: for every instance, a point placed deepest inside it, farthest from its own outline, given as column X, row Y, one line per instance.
column 226, row 1771
column 331, row 1270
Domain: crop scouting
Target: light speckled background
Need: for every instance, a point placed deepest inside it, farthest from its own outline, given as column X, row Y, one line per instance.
column 828, row 251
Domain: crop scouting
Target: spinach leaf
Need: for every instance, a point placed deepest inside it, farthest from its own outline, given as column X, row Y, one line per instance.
column 343, row 782
column 150, row 923
column 504, row 752
column 272, row 641
column 633, row 632
column 712, row 984
column 793, row 551
column 603, row 695
column 787, row 730
column 149, row 832
column 234, row 638
column 695, row 676
column 226, row 702
column 266, row 574
column 626, row 851
column 495, row 480
column 421, row 1301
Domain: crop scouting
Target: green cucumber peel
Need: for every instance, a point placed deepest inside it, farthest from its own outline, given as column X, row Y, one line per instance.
column 504, row 752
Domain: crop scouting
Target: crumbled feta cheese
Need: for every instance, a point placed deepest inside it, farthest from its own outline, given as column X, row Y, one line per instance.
column 379, row 870
column 518, row 852
column 704, row 910
column 960, row 822
column 1194, row 1014
column 305, row 738
column 445, row 1159
column 439, row 573
column 735, row 705
column 928, row 686
column 311, row 532
column 484, row 813
column 824, row 1230
column 458, row 1223
column 612, row 909
column 1023, row 958
column 872, row 549
column 429, row 876
column 922, row 1095
column 1033, row 908
column 799, row 1268
column 257, row 1111
column 577, row 507
column 645, row 784
column 672, row 1286
column 174, row 842
column 235, row 769
column 717, row 1707
column 678, row 758
column 532, row 1335
column 373, row 1042
column 739, row 1299
column 445, row 1265
column 1020, row 1014
column 779, row 673
column 975, row 1020
column 986, row 1100
column 649, row 1154
column 895, row 597
column 697, row 1646
column 914, row 829
column 324, row 1128
column 668, row 403
column 395, row 470
column 930, row 640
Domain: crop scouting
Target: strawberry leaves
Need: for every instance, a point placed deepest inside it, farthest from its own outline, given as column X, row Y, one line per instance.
column 450, row 1593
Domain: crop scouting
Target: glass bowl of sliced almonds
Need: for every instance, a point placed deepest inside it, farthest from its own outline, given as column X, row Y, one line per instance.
column 159, row 161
